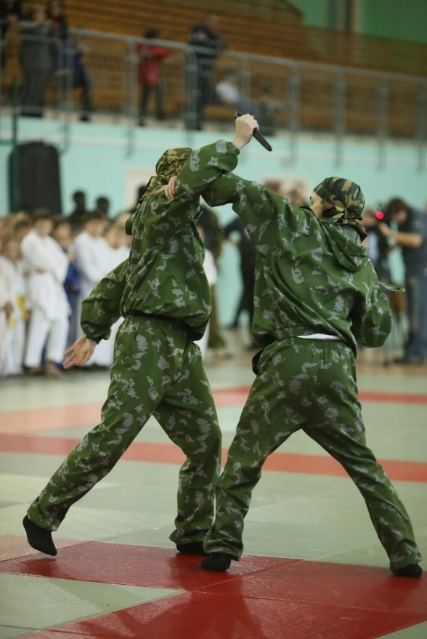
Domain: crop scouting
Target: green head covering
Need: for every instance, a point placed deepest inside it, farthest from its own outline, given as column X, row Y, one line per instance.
column 171, row 163
column 347, row 201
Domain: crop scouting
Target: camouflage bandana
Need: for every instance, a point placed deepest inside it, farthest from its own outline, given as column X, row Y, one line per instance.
column 347, row 200
column 346, row 196
column 171, row 163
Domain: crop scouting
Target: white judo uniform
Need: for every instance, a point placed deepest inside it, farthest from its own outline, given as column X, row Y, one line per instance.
column 47, row 266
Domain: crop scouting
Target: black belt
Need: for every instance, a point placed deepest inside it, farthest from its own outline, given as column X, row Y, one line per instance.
column 175, row 323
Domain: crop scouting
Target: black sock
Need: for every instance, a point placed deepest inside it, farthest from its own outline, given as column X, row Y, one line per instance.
column 196, row 548
column 413, row 570
column 218, row 561
column 39, row 538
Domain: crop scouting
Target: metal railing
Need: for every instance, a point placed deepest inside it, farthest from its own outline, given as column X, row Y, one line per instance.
column 301, row 96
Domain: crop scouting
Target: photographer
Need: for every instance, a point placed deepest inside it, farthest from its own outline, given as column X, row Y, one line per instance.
column 411, row 236
column 378, row 246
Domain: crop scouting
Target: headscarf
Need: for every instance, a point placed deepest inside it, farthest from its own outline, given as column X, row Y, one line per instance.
column 347, row 202
column 168, row 165
column 171, row 163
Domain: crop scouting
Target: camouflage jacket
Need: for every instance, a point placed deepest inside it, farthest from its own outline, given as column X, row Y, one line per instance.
column 164, row 273
column 311, row 275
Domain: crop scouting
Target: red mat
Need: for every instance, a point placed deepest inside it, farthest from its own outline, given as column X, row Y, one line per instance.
column 259, row 598
column 60, row 417
column 307, row 464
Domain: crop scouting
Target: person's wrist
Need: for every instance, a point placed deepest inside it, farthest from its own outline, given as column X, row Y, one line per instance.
column 239, row 142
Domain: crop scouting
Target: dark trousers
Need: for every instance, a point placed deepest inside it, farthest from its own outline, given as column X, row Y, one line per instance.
column 33, row 89
column 146, row 93
column 416, row 309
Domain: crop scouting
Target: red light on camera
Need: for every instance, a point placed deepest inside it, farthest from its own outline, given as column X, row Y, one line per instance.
column 379, row 215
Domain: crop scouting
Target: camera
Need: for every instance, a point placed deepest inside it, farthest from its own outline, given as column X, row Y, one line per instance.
column 377, row 242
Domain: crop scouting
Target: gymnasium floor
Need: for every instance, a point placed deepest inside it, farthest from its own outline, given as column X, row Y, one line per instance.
column 312, row 569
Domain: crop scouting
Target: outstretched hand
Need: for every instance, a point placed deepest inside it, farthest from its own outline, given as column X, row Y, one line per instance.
column 79, row 353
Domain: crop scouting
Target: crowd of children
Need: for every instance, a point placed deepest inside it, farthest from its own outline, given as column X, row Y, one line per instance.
column 48, row 265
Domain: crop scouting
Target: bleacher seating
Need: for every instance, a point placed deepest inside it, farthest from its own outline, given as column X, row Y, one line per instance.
column 273, row 28
column 264, row 27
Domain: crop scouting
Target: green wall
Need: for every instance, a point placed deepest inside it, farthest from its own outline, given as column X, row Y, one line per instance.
column 384, row 18
column 395, row 19
column 315, row 13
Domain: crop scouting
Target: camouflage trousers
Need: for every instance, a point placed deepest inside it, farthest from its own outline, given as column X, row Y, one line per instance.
column 157, row 371
column 308, row 385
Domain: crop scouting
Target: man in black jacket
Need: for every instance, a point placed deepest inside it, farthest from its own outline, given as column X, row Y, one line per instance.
column 411, row 236
column 208, row 44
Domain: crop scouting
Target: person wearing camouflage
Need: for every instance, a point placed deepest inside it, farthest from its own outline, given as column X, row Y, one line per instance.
column 316, row 297
column 162, row 292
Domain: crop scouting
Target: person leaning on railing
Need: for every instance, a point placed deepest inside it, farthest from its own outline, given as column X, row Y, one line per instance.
column 37, row 58
column 10, row 14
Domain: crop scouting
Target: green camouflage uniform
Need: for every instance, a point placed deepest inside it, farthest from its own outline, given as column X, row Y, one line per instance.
column 313, row 277
column 163, row 294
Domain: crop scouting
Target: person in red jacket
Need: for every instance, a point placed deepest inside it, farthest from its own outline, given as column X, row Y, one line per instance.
column 149, row 75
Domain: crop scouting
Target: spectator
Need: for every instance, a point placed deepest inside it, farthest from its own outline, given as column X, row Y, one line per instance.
column 247, row 270
column 212, row 237
column 117, row 250
column 228, row 93
column 91, row 249
column 150, row 57
column 411, row 236
column 22, row 227
column 63, row 233
column 71, row 71
column 83, row 81
column 73, row 74
column 267, row 109
column 379, row 254
column 10, row 14
column 211, row 272
column 6, row 310
column 37, row 60
column 208, row 44
column 377, row 244
column 102, row 206
column 78, row 215
column 120, row 220
column 47, row 268
column 139, row 193
column 297, row 195
column 18, row 320
column 56, row 16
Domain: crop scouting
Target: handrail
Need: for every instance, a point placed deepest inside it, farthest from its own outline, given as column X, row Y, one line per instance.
column 310, row 96
column 132, row 40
